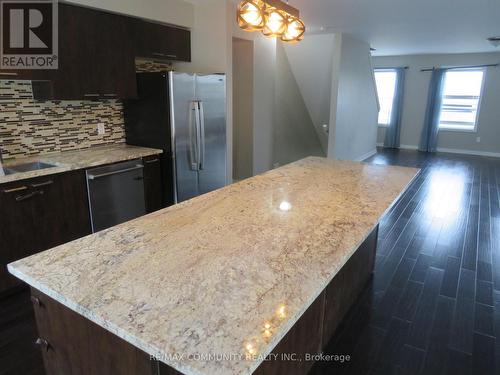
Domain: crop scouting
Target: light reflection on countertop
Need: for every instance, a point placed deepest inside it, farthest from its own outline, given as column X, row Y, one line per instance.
column 285, row 206
column 225, row 272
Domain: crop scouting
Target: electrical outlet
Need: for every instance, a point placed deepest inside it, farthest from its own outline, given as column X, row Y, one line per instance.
column 478, row 139
column 101, row 129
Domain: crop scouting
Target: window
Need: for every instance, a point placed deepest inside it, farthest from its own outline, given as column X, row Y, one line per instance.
column 386, row 88
column 461, row 98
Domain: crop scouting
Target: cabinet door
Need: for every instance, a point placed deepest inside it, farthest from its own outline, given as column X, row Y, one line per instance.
column 39, row 214
column 73, row 345
column 17, row 229
column 96, row 57
column 70, row 80
column 112, row 70
column 61, row 214
column 153, row 183
column 162, row 42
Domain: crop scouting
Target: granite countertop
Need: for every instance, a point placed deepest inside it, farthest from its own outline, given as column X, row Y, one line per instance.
column 226, row 273
column 72, row 160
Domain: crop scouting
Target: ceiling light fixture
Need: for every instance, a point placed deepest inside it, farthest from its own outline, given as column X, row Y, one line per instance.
column 273, row 18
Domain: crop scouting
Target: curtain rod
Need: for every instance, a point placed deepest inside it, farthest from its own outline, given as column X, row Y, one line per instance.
column 460, row 67
column 392, row 67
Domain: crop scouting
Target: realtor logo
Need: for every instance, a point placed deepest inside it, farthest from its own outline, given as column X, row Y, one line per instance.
column 29, row 37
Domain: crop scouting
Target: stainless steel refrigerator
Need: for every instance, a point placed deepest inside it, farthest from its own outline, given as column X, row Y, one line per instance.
column 185, row 115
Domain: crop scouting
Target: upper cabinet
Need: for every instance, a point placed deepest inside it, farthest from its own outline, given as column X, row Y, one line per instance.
column 157, row 41
column 97, row 52
column 96, row 59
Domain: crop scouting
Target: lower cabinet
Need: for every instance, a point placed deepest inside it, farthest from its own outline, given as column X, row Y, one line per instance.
column 38, row 214
column 71, row 344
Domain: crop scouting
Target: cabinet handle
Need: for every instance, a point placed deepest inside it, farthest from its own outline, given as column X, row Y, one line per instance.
column 13, row 190
column 35, row 301
column 10, row 74
column 21, row 198
column 90, row 95
column 94, row 176
column 151, row 161
column 49, row 182
column 110, row 95
column 43, row 344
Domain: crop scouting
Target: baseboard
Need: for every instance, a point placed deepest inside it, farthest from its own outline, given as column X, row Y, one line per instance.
column 403, row 147
column 452, row 151
column 469, row 152
column 367, row 155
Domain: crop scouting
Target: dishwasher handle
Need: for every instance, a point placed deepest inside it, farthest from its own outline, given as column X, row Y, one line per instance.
column 95, row 176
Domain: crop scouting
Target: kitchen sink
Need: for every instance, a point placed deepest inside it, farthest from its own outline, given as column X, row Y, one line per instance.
column 27, row 167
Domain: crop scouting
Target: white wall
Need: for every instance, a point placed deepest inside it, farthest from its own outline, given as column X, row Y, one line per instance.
column 415, row 101
column 264, row 99
column 311, row 61
column 242, row 108
column 353, row 132
column 294, row 134
column 337, row 52
column 174, row 12
column 264, row 96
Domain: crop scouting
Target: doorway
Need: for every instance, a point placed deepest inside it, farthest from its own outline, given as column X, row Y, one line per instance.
column 242, row 109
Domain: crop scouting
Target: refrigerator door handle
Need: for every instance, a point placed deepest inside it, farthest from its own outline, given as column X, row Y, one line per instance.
column 202, row 135
column 193, row 135
column 198, row 132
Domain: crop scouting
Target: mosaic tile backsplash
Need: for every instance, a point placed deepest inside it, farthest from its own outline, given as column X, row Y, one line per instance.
column 29, row 127
column 145, row 65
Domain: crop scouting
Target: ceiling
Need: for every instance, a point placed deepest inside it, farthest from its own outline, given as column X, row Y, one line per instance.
column 402, row 27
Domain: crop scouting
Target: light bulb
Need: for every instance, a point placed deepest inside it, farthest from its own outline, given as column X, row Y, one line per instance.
column 275, row 23
column 250, row 15
column 295, row 30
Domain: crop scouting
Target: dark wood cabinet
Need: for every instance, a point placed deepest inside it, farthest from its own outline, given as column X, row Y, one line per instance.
column 95, row 57
column 153, row 183
column 71, row 344
column 39, row 214
column 97, row 52
column 153, row 40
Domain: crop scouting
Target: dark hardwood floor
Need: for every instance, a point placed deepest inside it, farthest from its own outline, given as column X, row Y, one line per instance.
column 433, row 305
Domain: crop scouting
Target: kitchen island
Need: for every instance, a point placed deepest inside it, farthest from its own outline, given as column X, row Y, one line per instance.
column 217, row 283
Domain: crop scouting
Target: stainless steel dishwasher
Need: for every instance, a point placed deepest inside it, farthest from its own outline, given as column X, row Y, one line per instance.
column 116, row 193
